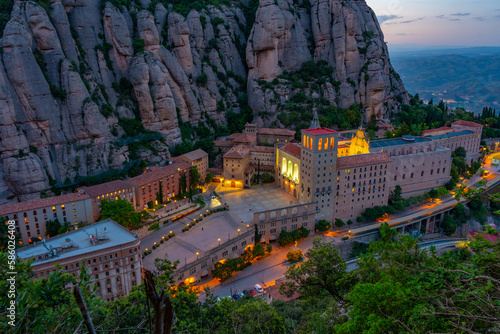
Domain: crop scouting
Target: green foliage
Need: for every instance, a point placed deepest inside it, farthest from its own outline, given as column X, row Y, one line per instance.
column 286, row 238
column 395, row 195
column 339, row 223
column 460, row 152
column 449, row 225
column 52, row 228
column 267, row 178
column 294, row 255
column 360, row 219
column 138, row 45
column 122, row 212
column 323, row 225
column 202, row 79
column 194, row 179
column 5, row 9
column 324, row 272
column 258, row 251
column 225, row 270
column 210, row 176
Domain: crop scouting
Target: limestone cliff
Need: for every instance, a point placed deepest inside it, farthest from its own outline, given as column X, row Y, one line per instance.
column 87, row 86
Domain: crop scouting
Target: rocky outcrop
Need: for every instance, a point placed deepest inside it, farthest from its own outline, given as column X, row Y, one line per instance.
column 345, row 34
column 73, row 79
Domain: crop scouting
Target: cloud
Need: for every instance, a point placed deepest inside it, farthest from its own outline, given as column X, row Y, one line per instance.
column 383, row 18
column 480, row 18
column 455, row 20
column 440, row 16
column 460, row 14
column 401, row 34
column 415, row 20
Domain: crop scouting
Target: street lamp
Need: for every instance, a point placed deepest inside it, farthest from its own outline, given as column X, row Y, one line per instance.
column 170, row 232
column 238, row 231
column 197, row 255
column 219, row 241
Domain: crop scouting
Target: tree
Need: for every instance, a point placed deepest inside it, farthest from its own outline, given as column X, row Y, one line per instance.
column 460, row 152
column 285, row 238
column 159, row 194
column 339, row 223
column 194, row 177
column 324, row 271
column 269, row 248
column 210, row 176
column 449, row 225
column 224, row 270
column 122, row 212
column 182, row 184
column 349, row 222
column 405, row 289
column 52, row 228
column 294, row 255
column 396, row 195
column 433, row 194
column 323, row 225
column 258, row 251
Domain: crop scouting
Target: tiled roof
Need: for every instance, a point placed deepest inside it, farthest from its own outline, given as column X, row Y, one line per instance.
column 196, row 154
column 343, row 146
column 158, row 173
column 279, row 132
column 292, row 149
column 223, row 143
column 245, row 138
column 263, row 149
column 105, row 188
column 41, row 203
column 319, row 131
column 237, row 152
column 273, row 291
column 467, row 123
column 385, row 126
column 443, row 128
column 363, row 160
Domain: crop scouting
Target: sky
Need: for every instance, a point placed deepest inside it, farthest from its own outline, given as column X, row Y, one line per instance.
column 439, row 22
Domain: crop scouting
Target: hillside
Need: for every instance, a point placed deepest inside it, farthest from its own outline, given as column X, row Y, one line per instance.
column 89, row 86
column 468, row 78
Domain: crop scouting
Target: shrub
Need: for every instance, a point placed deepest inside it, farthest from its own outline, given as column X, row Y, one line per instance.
column 349, row 222
column 360, row 219
column 294, row 256
column 323, row 225
column 202, row 79
column 138, row 45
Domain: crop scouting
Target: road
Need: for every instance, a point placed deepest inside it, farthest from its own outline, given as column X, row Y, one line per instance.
column 266, row 271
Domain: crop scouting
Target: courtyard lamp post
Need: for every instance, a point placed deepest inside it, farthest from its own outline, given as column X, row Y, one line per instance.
column 238, row 231
column 219, row 241
column 197, row 255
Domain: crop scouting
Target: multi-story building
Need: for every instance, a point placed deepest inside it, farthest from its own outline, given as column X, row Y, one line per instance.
column 109, row 191
column 241, row 163
column 418, row 163
column 198, row 158
column 464, row 134
column 361, row 183
column 110, row 253
column 31, row 217
column 318, row 169
column 159, row 180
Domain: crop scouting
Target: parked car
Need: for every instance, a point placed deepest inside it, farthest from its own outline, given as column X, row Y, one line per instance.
column 236, row 296
column 259, row 288
column 246, row 293
column 252, row 292
column 241, row 294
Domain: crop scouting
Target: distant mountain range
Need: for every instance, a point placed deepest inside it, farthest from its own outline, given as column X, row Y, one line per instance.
column 463, row 77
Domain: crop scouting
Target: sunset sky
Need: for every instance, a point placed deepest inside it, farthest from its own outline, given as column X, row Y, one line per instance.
column 439, row 22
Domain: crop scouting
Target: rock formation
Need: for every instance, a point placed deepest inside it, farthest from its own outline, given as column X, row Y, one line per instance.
column 86, row 86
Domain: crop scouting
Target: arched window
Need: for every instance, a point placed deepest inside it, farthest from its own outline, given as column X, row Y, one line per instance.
column 296, row 172
column 290, row 169
column 320, row 143
column 304, row 140
column 331, row 143
column 283, row 166
column 310, row 143
column 326, row 143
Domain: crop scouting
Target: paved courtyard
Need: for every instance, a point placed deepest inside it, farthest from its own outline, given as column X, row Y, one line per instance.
column 243, row 204
column 199, row 239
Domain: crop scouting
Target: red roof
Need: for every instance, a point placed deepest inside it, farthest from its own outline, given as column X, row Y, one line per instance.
column 158, row 173
column 443, row 128
column 292, row 149
column 278, row 132
column 319, row 131
column 105, row 188
column 363, row 160
column 467, row 123
column 41, row 203
column 273, row 291
column 237, row 152
column 489, row 237
column 263, row 149
column 223, row 143
column 244, row 138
